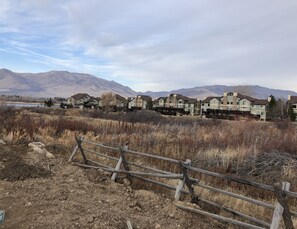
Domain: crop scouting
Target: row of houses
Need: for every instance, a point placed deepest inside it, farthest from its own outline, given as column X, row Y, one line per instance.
column 235, row 104
column 172, row 104
column 230, row 105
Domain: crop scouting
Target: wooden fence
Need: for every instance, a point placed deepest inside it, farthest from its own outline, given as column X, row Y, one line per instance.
column 281, row 208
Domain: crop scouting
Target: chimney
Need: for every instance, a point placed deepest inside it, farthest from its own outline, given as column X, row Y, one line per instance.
column 269, row 99
column 289, row 97
column 225, row 93
column 235, row 94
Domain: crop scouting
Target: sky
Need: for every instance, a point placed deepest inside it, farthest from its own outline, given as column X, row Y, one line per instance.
column 155, row 45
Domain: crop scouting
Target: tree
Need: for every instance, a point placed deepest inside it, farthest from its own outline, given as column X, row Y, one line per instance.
column 272, row 107
column 49, row 102
column 292, row 115
column 107, row 100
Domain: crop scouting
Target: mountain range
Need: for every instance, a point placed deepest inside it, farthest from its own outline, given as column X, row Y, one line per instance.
column 65, row 84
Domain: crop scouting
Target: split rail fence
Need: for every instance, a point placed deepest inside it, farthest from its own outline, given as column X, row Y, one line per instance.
column 280, row 209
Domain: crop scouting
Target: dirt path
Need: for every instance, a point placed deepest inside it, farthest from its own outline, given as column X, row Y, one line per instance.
column 37, row 192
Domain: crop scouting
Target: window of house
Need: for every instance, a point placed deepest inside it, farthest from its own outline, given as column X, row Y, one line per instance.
column 294, row 106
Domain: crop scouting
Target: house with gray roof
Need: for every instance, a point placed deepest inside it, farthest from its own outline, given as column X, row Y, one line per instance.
column 78, row 100
column 235, row 104
column 141, row 102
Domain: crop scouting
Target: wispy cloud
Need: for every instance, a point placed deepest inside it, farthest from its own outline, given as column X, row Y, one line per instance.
column 157, row 45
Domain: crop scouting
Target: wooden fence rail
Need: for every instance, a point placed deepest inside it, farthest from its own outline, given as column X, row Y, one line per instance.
column 281, row 209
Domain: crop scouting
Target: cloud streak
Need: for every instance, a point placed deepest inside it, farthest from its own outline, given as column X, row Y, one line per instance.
column 157, row 45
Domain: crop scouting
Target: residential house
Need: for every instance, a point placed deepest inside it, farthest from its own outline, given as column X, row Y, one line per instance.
column 78, row 100
column 259, row 108
column 141, row 102
column 178, row 102
column 93, row 103
column 159, row 102
column 211, row 102
column 119, row 102
column 234, row 104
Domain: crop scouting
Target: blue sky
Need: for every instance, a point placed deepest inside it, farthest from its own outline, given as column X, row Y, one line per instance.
column 155, row 45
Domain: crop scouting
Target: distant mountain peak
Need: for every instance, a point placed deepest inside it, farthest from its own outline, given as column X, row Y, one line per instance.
column 57, row 84
column 65, row 84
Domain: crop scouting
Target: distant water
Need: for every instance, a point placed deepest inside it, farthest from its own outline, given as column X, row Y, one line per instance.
column 24, row 104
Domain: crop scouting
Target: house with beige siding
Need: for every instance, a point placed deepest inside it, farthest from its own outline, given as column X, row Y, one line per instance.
column 259, row 108
column 178, row 102
column 78, row 100
column 141, row 102
column 235, row 104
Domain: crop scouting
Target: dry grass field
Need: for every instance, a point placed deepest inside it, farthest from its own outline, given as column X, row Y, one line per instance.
column 264, row 152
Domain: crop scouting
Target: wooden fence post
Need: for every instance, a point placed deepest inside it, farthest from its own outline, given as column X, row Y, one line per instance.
column 187, row 181
column 179, row 189
column 119, row 163
column 282, row 209
column 79, row 141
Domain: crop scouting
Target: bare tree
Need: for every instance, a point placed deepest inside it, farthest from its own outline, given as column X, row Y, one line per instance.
column 108, row 100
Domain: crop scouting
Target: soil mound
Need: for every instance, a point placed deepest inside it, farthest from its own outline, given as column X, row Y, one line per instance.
column 13, row 167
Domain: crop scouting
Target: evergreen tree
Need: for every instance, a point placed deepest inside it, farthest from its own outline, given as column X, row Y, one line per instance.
column 292, row 115
column 49, row 102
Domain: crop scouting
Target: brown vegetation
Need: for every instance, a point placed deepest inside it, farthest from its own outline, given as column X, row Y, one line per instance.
column 265, row 152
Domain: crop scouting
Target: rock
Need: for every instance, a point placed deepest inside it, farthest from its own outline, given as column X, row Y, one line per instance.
column 171, row 215
column 2, row 142
column 49, row 155
column 38, row 147
column 157, row 226
column 91, row 219
column 36, row 144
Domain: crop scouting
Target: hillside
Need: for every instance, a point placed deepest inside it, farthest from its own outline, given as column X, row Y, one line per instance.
column 65, row 84
column 57, row 83
column 218, row 90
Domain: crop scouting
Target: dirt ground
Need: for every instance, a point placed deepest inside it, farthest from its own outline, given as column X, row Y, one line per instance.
column 37, row 192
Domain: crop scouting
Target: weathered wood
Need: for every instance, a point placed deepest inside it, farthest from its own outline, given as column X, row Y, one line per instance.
column 282, row 207
column 101, row 154
column 236, row 213
column 148, row 168
column 79, row 141
column 222, row 218
column 100, row 164
column 230, row 178
column 175, row 176
column 101, row 145
column 240, row 180
column 277, row 216
column 262, row 223
column 129, row 224
column 157, row 183
column 179, row 189
column 73, row 153
column 117, row 168
column 125, row 164
column 188, row 182
column 74, row 150
column 241, row 197
column 152, row 156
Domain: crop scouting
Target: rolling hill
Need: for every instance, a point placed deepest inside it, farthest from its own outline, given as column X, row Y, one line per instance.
column 57, row 83
column 65, row 84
